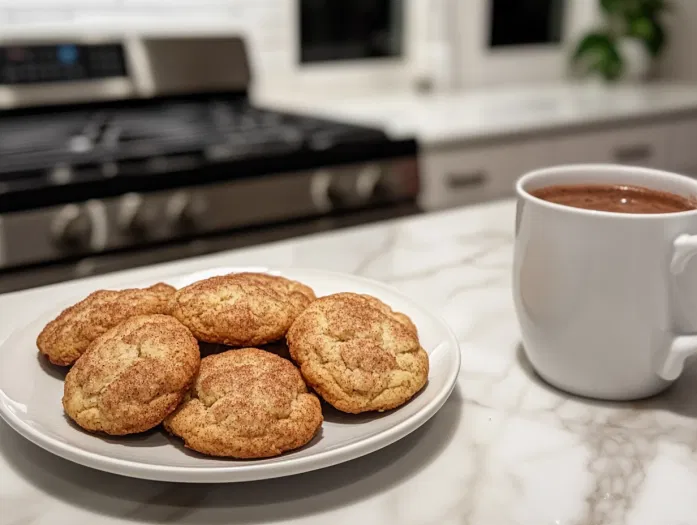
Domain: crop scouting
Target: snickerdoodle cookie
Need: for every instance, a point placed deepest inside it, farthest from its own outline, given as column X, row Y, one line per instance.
column 133, row 376
column 358, row 354
column 66, row 337
column 246, row 403
column 241, row 309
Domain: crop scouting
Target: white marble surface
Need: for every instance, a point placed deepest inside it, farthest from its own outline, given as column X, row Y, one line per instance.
column 476, row 114
column 504, row 450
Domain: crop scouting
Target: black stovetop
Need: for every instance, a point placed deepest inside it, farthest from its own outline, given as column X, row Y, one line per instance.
column 54, row 155
column 219, row 129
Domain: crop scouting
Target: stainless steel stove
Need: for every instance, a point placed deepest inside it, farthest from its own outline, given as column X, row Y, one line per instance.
column 117, row 150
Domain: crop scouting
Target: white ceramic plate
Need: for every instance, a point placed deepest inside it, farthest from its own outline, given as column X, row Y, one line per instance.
column 31, row 391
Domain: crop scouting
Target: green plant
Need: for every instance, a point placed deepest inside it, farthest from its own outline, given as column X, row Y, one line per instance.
column 598, row 51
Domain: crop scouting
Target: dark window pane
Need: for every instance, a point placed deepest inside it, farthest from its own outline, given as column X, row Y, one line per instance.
column 524, row 22
column 346, row 30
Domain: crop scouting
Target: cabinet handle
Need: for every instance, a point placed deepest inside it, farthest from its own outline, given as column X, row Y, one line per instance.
column 466, row 180
column 635, row 153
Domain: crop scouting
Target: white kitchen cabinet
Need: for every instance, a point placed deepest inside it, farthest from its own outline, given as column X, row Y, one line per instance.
column 643, row 145
column 464, row 174
column 682, row 147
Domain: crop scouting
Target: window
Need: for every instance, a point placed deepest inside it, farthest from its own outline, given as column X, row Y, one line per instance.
column 350, row 29
column 525, row 22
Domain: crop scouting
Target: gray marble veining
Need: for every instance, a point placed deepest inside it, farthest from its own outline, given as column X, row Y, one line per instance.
column 506, row 449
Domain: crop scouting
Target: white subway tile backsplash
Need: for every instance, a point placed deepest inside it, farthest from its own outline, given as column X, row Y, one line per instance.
column 189, row 3
column 273, row 41
column 272, row 63
column 232, row 8
column 55, row 4
column 30, row 17
column 150, row 13
column 266, row 22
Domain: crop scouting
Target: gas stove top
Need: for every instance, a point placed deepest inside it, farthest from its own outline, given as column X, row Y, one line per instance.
column 217, row 129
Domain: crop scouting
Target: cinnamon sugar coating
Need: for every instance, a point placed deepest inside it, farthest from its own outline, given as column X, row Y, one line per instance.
column 132, row 376
column 246, row 403
column 65, row 338
column 357, row 353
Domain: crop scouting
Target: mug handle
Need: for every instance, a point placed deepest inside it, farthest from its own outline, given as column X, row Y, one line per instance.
column 683, row 346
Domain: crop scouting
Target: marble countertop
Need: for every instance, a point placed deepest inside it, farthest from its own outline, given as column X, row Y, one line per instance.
column 504, row 450
column 486, row 113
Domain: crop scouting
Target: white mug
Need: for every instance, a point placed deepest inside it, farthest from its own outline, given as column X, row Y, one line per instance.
column 607, row 302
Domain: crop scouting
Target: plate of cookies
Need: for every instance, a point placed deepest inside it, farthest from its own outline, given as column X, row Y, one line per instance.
column 227, row 375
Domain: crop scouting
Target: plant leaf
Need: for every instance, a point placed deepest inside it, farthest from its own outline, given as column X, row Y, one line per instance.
column 614, row 68
column 597, row 53
column 611, row 66
column 614, row 7
column 650, row 32
column 654, row 7
column 656, row 44
column 593, row 42
column 641, row 27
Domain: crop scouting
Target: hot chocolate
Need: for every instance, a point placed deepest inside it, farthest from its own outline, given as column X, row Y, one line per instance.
column 615, row 198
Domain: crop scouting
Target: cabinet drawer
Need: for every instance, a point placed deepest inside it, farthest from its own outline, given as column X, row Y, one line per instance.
column 641, row 146
column 465, row 176
column 682, row 147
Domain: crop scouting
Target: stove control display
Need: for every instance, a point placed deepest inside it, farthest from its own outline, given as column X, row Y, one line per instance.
column 60, row 63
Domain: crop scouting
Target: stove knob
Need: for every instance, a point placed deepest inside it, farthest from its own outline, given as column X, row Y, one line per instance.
column 186, row 209
column 320, row 192
column 369, row 182
column 341, row 191
column 134, row 216
column 72, row 227
column 352, row 189
column 339, row 198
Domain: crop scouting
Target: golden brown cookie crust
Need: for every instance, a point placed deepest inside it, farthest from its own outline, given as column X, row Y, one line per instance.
column 358, row 354
column 133, row 376
column 65, row 338
column 241, row 309
column 246, row 403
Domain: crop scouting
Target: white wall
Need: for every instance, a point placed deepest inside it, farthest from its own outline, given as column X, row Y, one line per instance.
column 680, row 61
column 30, row 13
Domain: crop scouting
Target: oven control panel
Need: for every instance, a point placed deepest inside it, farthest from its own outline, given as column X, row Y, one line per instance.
column 65, row 62
column 79, row 68
column 133, row 220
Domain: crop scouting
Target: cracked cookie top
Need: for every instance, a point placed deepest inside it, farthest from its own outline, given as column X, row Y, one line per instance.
column 357, row 353
column 241, row 309
column 66, row 337
column 246, row 403
column 132, row 376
